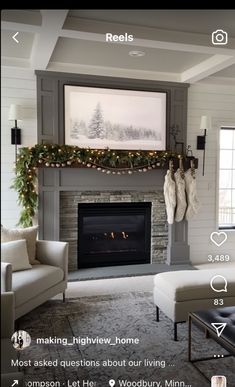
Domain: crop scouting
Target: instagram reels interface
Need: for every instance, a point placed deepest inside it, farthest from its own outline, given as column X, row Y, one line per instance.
column 118, row 198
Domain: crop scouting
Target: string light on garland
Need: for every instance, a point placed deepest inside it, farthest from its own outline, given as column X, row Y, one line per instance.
column 110, row 162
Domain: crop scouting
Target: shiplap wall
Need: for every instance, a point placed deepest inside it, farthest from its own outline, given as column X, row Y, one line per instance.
column 219, row 102
column 19, row 86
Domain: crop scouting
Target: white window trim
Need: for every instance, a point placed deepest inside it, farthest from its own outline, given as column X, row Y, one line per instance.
column 220, row 123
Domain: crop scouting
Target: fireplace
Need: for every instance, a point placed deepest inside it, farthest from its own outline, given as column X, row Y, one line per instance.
column 69, row 218
column 111, row 234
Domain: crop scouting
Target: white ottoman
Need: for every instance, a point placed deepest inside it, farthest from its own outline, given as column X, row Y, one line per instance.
column 177, row 293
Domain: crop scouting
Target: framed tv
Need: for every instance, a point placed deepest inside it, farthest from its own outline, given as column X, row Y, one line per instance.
column 115, row 118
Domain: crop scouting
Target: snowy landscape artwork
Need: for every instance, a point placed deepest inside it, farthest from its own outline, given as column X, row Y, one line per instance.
column 116, row 119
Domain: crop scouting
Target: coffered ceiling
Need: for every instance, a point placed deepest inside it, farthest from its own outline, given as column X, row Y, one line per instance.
column 177, row 44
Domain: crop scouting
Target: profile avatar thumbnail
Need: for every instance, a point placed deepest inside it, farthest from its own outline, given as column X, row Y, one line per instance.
column 20, row 340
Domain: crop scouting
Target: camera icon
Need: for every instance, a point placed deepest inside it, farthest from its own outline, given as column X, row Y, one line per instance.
column 219, row 37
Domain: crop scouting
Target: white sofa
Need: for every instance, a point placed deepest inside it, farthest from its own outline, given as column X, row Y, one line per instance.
column 34, row 286
column 180, row 292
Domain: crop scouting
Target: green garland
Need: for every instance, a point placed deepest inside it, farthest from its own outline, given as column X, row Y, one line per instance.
column 60, row 156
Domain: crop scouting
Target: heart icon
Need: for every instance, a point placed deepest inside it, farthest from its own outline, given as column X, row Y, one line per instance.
column 218, row 238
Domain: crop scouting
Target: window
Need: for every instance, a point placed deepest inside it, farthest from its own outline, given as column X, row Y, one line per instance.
column 227, row 179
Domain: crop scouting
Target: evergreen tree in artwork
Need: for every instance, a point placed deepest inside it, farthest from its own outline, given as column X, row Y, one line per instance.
column 74, row 129
column 96, row 126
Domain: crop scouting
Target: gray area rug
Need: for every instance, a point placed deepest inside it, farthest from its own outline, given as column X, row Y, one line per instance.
column 128, row 315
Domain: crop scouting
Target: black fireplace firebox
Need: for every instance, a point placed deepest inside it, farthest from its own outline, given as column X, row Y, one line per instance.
column 111, row 234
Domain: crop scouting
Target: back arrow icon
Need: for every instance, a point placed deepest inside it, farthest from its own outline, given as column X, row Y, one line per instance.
column 14, row 37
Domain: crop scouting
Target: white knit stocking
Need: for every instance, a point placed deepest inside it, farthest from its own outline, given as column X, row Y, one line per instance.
column 192, row 199
column 170, row 197
column 180, row 196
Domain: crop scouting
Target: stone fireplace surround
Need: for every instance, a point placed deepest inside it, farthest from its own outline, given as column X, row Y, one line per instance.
column 68, row 218
column 61, row 189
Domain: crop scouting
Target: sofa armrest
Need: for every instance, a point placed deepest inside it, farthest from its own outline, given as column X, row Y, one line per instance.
column 7, row 315
column 6, row 277
column 53, row 253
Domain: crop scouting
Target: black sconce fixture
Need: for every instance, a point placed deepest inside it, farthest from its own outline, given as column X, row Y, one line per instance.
column 201, row 140
column 15, row 114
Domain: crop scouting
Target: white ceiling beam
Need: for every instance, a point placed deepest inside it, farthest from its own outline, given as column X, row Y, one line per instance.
column 15, row 62
column 45, row 41
column 20, row 27
column 220, row 80
column 113, row 71
column 207, row 68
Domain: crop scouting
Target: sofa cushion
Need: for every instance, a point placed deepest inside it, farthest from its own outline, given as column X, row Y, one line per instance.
column 194, row 284
column 30, row 283
column 29, row 234
column 16, row 254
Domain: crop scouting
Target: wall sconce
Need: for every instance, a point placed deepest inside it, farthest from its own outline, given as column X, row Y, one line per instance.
column 15, row 114
column 201, row 140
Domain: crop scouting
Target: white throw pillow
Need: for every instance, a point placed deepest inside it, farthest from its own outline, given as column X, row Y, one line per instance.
column 16, row 253
column 28, row 233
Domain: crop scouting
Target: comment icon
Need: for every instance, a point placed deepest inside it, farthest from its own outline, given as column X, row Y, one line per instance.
column 219, row 283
